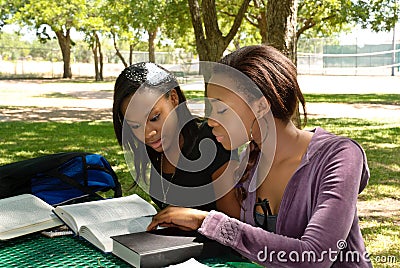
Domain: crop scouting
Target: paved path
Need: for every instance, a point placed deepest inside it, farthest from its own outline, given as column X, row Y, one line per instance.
column 38, row 100
column 349, row 84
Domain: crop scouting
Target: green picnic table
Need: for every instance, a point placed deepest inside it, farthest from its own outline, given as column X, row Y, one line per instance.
column 36, row 250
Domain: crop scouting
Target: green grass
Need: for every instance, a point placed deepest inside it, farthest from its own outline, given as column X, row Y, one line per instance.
column 193, row 94
column 382, row 99
column 22, row 140
column 381, row 141
column 392, row 99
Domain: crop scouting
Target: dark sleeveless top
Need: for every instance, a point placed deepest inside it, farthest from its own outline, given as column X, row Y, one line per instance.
column 191, row 179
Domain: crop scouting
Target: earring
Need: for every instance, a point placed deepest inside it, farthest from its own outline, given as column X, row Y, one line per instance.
column 266, row 129
column 266, row 126
column 251, row 130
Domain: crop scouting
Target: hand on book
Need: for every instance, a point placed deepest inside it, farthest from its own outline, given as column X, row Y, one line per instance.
column 183, row 218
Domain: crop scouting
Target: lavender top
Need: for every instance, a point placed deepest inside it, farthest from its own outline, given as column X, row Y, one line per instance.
column 317, row 225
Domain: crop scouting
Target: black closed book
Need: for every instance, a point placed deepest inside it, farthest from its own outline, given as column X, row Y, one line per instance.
column 164, row 247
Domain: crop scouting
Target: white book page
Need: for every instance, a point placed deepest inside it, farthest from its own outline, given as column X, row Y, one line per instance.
column 99, row 234
column 192, row 263
column 126, row 207
column 24, row 214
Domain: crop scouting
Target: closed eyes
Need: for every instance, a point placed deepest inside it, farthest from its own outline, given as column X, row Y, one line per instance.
column 134, row 126
column 222, row 111
column 155, row 118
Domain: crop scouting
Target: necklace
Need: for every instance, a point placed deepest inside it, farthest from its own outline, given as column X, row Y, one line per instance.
column 165, row 192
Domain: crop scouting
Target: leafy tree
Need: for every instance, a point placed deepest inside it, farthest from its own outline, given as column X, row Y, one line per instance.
column 247, row 34
column 118, row 16
column 81, row 53
column 93, row 39
column 49, row 51
column 6, row 9
column 210, row 40
column 178, row 27
column 323, row 18
column 47, row 17
column 12, row 47
column 133, row 21
column 93, row 25
column 379, row 15
column 148, row 15
column 257, row 17
column 314, row 19
column 275, row 22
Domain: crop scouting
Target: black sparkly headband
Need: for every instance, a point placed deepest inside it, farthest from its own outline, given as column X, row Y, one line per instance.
column 149, row 73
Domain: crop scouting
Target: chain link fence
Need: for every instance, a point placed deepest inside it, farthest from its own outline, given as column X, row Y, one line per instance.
column 327, row 57
column 314, row 57
column 19, row 62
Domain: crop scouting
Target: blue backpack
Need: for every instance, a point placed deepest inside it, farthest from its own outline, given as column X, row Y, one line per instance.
column 61, row 178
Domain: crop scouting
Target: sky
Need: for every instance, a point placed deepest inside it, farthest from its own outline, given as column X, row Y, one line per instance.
column 365, row 36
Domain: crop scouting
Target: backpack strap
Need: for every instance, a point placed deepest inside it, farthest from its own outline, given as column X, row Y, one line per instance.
column 73, row 182
column 84, row 188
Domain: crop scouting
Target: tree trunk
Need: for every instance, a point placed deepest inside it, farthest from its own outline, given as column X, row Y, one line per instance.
column 263, row 29
column 281, row 26
column 281, row 33
column 100, row 57
column 96, row 57
column 210, row 42
column 131, row 47
column 152, row 53
column 117, row 50
column 261, row 19
column 65, row 44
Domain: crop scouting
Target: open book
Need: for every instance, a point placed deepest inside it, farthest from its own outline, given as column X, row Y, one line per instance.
column 97, row 221
column 25, row 214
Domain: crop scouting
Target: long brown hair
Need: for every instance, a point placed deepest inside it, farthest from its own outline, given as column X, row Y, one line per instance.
column 276, row 77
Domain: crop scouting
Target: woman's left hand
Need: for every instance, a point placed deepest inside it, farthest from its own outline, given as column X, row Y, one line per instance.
column 183, row 218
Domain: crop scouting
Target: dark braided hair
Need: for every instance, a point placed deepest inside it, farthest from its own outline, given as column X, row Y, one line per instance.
column 244, row 172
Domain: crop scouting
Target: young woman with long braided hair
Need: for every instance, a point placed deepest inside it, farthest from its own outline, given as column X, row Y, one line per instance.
column 297, row 188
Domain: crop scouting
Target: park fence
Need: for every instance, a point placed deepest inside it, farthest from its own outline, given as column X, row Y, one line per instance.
column 16, row 62
column 314, row 57
column 327, row 58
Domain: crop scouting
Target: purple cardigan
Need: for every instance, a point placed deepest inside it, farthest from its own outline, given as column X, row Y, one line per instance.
column 317, row 219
